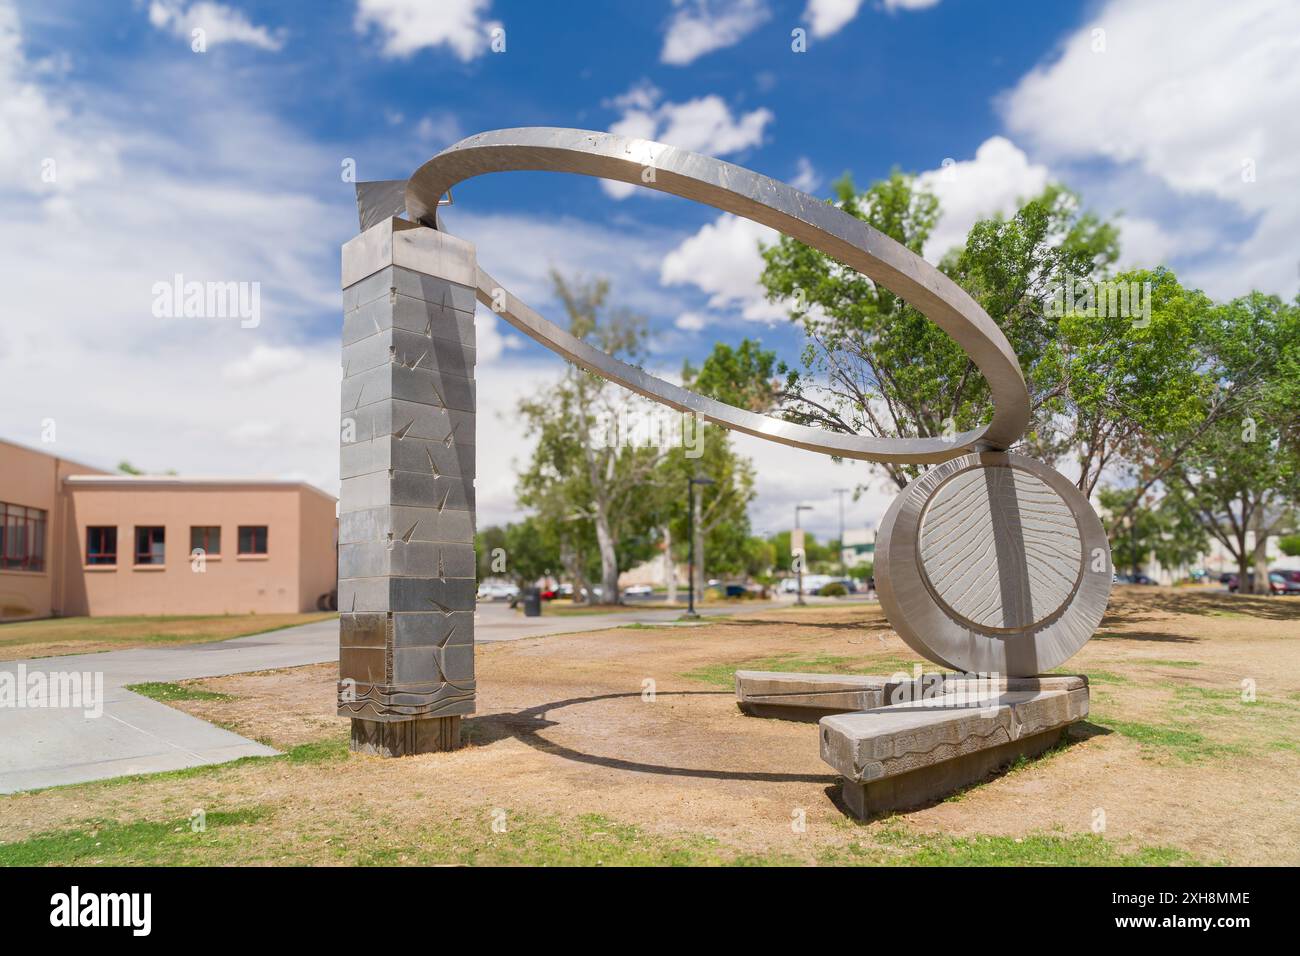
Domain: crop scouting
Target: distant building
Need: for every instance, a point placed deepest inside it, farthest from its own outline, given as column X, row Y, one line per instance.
column 858, row 546
column 75, row 540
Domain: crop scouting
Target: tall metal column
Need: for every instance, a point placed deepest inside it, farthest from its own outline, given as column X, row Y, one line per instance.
column 406, row 506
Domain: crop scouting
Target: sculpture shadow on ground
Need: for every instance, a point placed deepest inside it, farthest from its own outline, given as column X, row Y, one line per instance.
column 856, row 626
column 527, row 725
column 1212, row 604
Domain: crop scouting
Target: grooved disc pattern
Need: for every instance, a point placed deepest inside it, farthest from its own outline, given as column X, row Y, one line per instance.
column 1000, row 548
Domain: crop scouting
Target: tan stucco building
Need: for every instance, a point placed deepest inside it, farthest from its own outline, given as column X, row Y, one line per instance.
column 75, row 540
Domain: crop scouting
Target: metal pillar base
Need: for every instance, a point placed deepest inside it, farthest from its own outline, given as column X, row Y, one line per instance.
column 402, row 738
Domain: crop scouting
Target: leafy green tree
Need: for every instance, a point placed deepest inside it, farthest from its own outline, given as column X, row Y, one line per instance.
column 532, row 551
column 1163, row 530
column 1241, row 476
column 819, row 558
column 583, row 485
column 875, row 365
column 744, row 376
column 489, row 544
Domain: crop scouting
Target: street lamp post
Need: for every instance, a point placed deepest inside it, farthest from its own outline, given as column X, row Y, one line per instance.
column 690, row 541
column 844, row 568
column 800, row 558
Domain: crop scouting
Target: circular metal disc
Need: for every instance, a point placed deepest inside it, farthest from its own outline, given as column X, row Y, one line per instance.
column 993, row 563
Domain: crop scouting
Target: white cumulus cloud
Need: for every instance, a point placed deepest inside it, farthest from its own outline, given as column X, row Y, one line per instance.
column 1201, row 97
column 408, row 26
column 995, row 181
column 219, row 23
column 828, row 17
column 723, row 260
column 703, row 125
column 698, row 27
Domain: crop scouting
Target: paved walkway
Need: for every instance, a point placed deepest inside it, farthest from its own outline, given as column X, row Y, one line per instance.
column 45, row 747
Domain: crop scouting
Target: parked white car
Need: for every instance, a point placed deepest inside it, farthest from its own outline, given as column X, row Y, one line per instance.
column 497, row 592
column 638, row 590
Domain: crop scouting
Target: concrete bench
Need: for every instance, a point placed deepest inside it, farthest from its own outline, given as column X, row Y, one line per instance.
column 907, row 754
column 808, row 697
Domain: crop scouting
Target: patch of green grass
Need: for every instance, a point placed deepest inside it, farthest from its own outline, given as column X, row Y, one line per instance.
column 1161, row 662
column 1186, row 745
column 319, row 751
column 900, row 847
column 587, row 840
column 165, row 692
column 1096, row 677
column 724, row 674
column 142, row 843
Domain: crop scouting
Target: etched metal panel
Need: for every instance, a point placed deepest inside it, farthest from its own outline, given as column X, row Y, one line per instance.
column 966, row 594
column 406, row 502
column 999, row 548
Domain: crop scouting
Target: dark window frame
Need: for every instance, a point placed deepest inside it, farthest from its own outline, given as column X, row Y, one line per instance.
column 253, row 529
column 33, row 523
column 207, row 536
column 148, row 556
column 97, row 558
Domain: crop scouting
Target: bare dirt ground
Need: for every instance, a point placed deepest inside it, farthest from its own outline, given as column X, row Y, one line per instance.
column 58, row 636
column 1171, row 757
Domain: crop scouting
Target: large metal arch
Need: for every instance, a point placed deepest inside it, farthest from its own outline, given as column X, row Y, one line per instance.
column 769, row 202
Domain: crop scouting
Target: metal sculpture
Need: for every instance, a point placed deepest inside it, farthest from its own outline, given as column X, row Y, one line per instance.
column 989, row 562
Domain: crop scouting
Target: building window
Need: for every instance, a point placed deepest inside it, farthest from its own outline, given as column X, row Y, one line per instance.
column 205, row 538
column 149, row 545
column 22, row 538
column 252, row 539
column 101, row 545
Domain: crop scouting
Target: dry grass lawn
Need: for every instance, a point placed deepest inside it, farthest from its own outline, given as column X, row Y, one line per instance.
column 579, row 763
column 83, row 635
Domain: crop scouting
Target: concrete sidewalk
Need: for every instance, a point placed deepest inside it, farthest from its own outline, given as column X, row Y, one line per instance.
column 45, row 747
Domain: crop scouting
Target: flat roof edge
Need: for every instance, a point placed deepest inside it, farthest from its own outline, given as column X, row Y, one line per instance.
column 173, row 481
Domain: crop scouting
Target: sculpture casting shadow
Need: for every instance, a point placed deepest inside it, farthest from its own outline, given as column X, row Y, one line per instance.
column 526, row 727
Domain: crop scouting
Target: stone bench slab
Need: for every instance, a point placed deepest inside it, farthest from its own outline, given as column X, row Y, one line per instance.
column 911, row 753
column 810, row 697
column 807, row 696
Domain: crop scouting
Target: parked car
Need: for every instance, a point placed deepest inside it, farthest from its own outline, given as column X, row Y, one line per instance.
column 638, row 590
column 497, row 592
column 1278, row 583
column 1133, row 579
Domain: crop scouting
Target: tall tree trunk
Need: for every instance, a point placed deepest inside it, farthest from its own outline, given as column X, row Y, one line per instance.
column 1261, row 552
column 608, row 558
column 670, row 566
column 573, row 564
column 1243, row 562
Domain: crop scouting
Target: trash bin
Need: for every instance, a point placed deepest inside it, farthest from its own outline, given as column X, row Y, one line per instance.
column 532, row 602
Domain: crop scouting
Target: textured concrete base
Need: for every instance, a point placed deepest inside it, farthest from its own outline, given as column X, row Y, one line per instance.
column 807, row 697
column 927, row 784
column 916, row 751
column 402, row 738
column 810, row 697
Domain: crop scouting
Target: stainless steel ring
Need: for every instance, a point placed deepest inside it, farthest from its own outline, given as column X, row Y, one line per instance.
column 763, row 200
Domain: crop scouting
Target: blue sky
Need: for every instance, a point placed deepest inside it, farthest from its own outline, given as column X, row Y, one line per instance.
column 225, row 165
